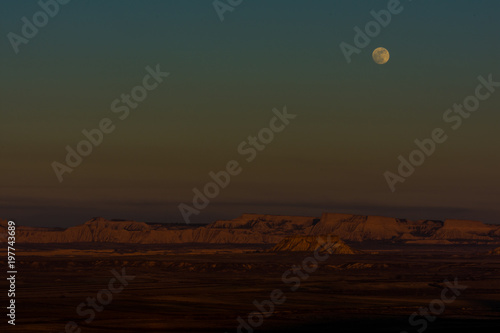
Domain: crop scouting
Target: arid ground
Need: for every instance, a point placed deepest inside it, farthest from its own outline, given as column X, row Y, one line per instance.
column 194, row 288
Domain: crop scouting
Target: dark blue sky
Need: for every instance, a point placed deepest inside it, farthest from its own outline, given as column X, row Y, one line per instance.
column 353, row 121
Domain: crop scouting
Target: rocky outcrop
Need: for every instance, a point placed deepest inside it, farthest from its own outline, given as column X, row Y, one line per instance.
column 266, row 229
column 358, row 228
column 466, row 230
column 361, row 228
column 248, row 229
column 324, row 243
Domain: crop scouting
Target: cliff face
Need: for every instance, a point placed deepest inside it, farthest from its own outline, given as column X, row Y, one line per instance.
column 360, row 228
column 247, row 229
column 265, row 229
column 459, row 229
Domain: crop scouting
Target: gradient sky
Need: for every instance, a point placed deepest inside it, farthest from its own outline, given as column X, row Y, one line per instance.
column 353, row 121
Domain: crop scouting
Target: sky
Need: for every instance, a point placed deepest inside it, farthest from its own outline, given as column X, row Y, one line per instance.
column 225, row 78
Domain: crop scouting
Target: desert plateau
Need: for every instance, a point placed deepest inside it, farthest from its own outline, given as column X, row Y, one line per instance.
column 373, row 276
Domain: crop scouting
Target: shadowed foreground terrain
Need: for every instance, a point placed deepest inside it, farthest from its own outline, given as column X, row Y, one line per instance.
column 195, row 288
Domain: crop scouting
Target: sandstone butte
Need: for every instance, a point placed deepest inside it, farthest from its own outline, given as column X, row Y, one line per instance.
column 266, row 229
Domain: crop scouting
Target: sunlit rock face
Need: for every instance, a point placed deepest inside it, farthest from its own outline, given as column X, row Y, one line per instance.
column 361, row 228
column 266, row 229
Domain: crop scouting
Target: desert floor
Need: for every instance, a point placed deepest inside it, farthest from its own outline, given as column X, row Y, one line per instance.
column 193, row 289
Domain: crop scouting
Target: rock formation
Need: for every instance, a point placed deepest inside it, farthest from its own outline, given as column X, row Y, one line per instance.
column 323, row 243
column 266, row 229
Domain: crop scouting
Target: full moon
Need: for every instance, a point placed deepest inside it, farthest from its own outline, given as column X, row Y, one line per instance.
column 380, row 55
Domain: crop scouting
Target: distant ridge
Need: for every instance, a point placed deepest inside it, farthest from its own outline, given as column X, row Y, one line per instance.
column 267, row 229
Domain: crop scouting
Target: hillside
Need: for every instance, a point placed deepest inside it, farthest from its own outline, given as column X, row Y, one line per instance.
column 360, row 228
column 267, row 229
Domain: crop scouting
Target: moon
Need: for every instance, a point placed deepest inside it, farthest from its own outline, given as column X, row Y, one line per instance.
column 380, row 55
